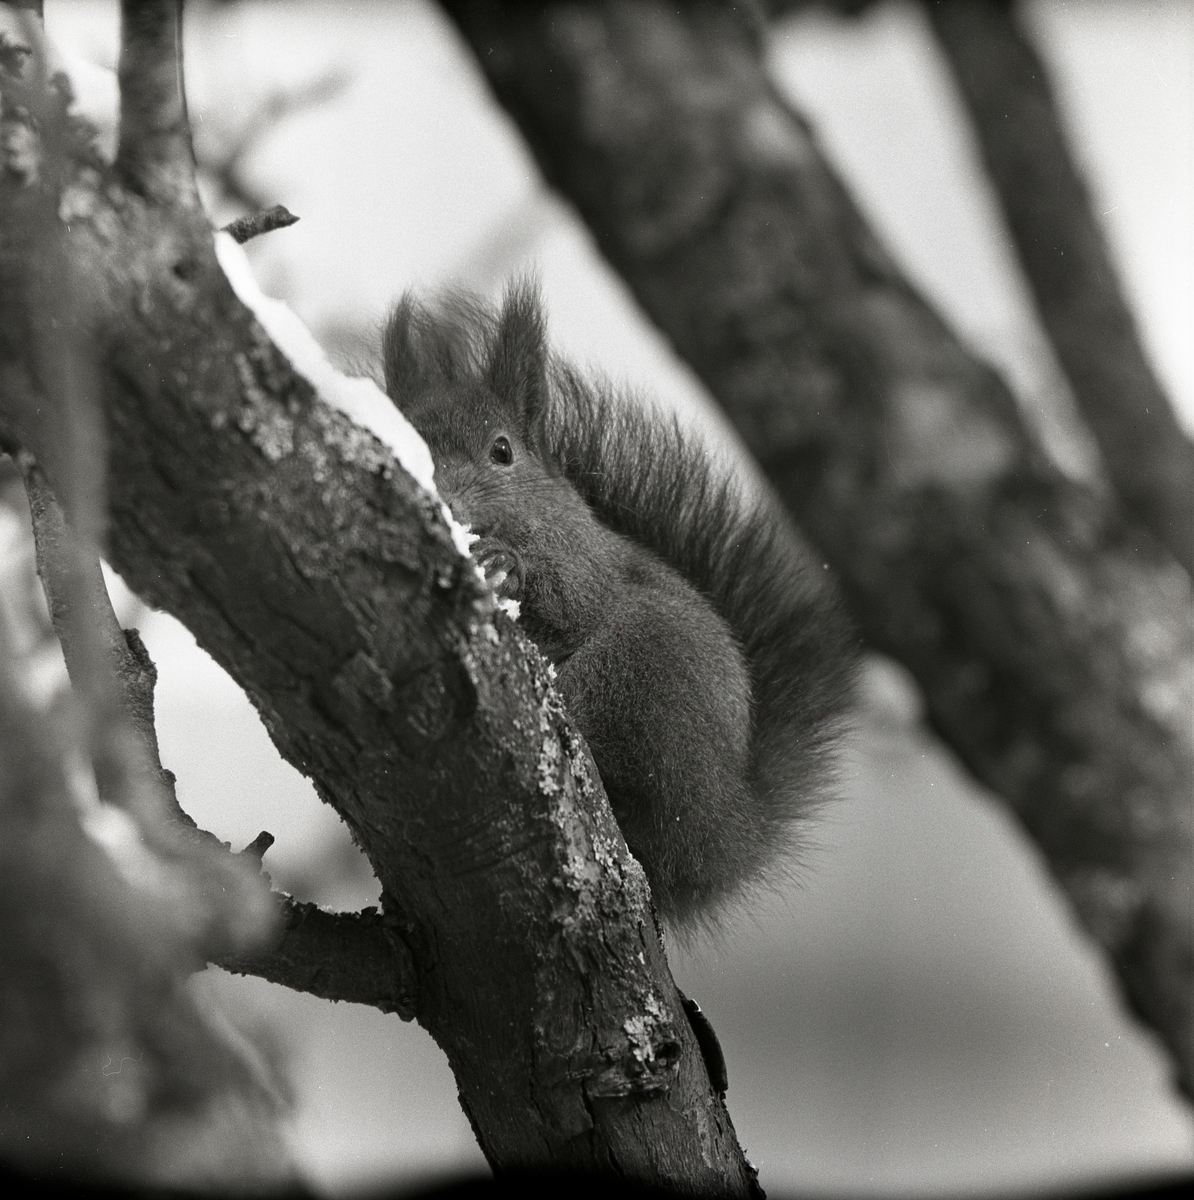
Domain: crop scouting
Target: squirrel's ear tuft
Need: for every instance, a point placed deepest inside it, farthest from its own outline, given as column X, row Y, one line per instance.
column 421, row 348
column 517, row 367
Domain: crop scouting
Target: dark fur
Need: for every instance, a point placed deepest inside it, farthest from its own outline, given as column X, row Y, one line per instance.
column 698, row 648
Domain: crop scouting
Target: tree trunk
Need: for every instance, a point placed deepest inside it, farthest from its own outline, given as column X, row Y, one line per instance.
column 326, row 581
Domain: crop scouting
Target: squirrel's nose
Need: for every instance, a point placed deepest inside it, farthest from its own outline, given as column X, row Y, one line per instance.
column 459, row 510
column 451, row 494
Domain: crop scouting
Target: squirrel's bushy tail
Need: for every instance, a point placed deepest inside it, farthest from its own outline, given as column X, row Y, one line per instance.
column 648, row 479
column 643, row 477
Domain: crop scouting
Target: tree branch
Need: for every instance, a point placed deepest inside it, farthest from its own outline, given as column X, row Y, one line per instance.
column 1066, row 260
column 1054, row 640
column 111, row 670
column 356, row 957
column 154, row 153
column 325, row 580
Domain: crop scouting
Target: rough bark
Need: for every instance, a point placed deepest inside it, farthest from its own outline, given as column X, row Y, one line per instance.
column 1068, row 265
column 316, row 574
column 1053, row 638
column 312, row 568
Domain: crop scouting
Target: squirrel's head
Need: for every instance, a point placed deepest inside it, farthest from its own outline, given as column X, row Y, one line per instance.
column 474, row 384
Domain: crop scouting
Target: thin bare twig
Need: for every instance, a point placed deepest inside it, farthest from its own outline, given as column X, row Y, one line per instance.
column 104, row 669
column 265, row 221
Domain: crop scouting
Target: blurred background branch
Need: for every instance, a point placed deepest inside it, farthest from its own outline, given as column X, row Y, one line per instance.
column 1065, row 258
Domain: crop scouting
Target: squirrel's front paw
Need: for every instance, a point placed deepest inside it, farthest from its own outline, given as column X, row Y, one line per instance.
column 502, row 569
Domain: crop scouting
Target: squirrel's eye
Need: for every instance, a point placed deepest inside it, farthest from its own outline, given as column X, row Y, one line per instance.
column 501, row 452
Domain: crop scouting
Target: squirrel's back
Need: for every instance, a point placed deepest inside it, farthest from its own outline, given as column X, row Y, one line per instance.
column 649, row 479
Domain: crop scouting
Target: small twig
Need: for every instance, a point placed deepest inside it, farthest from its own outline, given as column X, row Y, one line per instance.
column 357, row 957
column 259, row 845
column 265, row 221
column 154, row 152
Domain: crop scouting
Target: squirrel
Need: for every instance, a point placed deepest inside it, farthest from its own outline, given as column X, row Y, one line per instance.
column 701, row 653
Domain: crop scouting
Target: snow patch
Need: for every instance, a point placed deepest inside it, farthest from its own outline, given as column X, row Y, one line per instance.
column 360, row 400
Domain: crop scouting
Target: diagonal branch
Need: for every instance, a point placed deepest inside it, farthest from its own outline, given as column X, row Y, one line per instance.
column 107, row 668
column 1067, row 262
column 326, row 580
column 154, row 152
